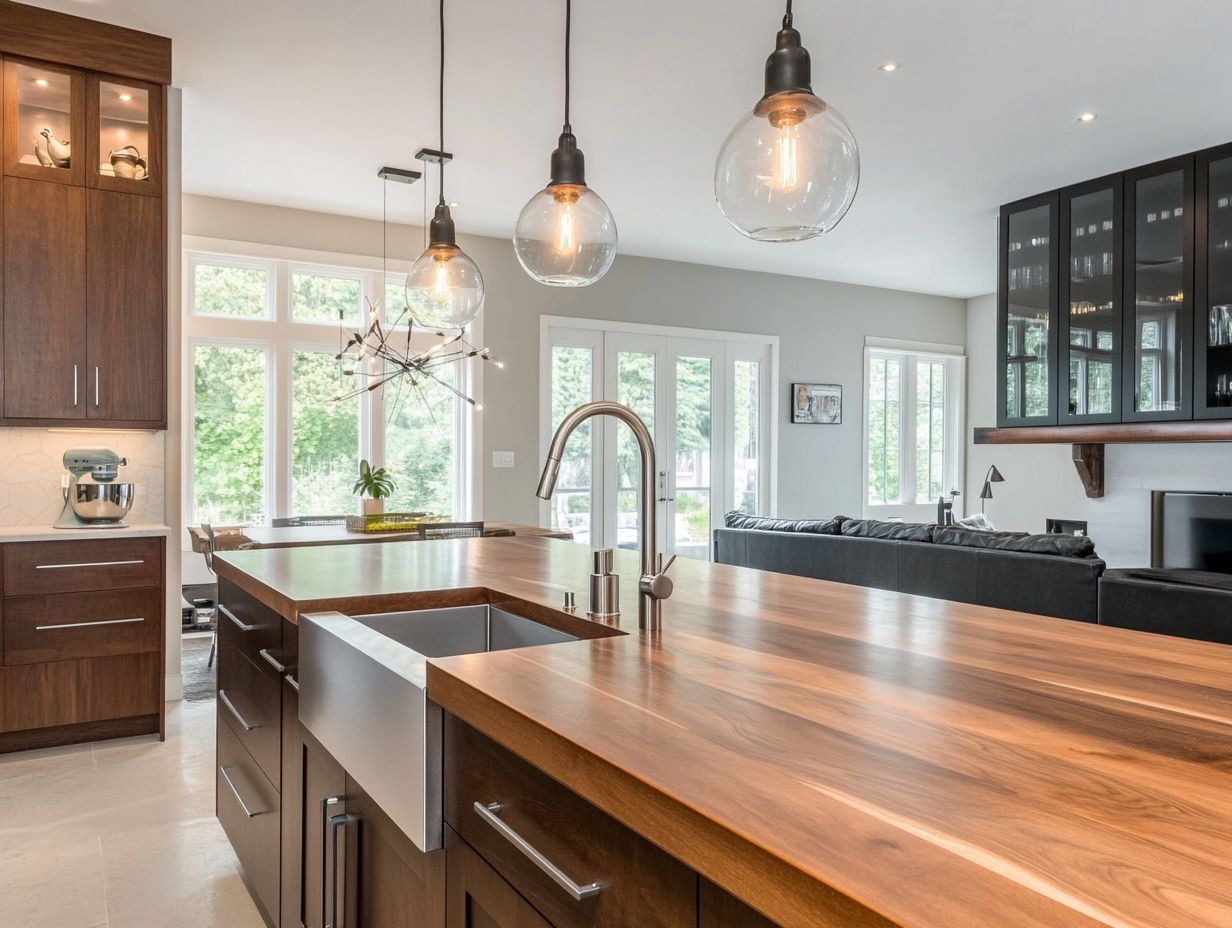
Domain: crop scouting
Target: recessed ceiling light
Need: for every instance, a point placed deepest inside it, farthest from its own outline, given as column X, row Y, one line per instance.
column 126, row 97
column 40, row 83
column 1088, row 117
column 888, row 66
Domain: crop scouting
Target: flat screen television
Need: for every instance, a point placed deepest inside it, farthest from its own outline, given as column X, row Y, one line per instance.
column 1191, row 530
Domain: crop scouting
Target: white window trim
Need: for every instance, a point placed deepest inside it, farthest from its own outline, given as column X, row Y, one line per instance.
column 909, row 506
column 740, row 346
column 279, row 335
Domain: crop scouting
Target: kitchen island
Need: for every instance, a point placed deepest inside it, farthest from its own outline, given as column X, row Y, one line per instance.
column 837, row 755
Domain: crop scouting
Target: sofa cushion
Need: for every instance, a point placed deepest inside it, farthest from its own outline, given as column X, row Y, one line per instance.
column 1058, row 545
column 1165, row 607
column 1184, row 576
column 897, row 531
column 765, row 524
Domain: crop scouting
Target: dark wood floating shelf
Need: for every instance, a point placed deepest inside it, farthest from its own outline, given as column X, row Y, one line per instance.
column 1088, row 441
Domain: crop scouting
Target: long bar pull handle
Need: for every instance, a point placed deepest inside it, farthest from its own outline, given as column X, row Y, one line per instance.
column 336, row 824
column 74, row 384
column 278, row 666
column 290, row 678
column 89, row 564
column 241, row 625
column 226, row 701
column 50, row 628
column 238, row 798
column 325, row 862
column 490, row 813
column 96, row 387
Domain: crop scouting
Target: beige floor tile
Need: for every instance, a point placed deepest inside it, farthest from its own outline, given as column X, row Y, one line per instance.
column 52, row 885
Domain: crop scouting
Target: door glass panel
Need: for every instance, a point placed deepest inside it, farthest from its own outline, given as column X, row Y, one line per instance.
column 1159, row 292
column 635, row 387
column 1218, row 310
column 323, row 298
column 746, row 431
column 693, row 447
column 884, row 397
column 324, row 437
column 1094, row 316
column 419, row 443
column 572, row 385
column 44, row 117
column 930, row 430
column 229, row 440
column 123, row 131
column 1029, row 310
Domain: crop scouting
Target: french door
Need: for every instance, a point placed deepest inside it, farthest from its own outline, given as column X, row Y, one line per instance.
column 706, row 402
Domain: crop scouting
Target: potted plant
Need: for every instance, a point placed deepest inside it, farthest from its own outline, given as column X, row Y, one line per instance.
column 377, row 485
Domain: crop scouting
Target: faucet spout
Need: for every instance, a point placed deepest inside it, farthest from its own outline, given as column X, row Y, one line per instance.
column 653, row 585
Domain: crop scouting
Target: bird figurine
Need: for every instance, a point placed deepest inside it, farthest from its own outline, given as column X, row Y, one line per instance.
column 40, row 152
column 59, row 151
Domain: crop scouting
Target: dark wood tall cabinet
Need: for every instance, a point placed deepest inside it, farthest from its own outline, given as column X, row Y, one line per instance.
column 83, row 334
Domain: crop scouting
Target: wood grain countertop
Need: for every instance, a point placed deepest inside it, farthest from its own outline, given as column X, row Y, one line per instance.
column 836, row 755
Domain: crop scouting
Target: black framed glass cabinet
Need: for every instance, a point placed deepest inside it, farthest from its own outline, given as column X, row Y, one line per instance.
column 1213, row 287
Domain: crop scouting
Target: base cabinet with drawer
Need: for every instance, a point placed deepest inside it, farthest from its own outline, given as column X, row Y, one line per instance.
column 82, row 641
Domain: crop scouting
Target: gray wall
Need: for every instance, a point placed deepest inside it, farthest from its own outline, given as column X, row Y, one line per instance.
column 822, row 326
column 1040, row 481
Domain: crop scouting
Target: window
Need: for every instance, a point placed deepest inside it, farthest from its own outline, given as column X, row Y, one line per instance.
column 268, row 436
column 913, row 430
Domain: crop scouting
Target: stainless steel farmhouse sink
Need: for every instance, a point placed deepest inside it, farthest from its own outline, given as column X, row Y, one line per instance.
column 364, row 696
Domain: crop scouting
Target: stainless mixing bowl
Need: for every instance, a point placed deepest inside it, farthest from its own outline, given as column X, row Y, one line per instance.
column 102, row 502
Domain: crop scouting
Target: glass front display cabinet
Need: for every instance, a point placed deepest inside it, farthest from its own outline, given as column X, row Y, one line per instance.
column 125, row 132
column 1027, row 313
column 1213, row 287
column 1159, row 250
column 44, row 137
column 1090, row 302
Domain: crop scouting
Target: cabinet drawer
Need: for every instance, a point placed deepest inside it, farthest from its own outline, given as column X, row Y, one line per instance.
column 69, row 692
column 80, row 566
column 250, row 704
column 639, row 883
column 249, row 809
column 250, row 628
column 73, row 625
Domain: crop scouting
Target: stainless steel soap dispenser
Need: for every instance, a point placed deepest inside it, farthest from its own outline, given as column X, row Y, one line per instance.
column 604, row 587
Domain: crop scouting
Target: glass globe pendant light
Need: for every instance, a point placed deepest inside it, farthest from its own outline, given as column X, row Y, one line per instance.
column 566, row 236
column 789, row 169
column 444, row 289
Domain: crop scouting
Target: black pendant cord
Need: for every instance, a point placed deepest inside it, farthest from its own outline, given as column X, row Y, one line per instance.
column 441, row 103
column 787, row 16
column 568, row 37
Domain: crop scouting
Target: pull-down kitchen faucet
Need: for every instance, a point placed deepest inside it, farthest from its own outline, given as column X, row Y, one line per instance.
column 654, row 585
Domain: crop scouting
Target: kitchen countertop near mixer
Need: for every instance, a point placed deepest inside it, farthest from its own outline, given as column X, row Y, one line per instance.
column 9, row 533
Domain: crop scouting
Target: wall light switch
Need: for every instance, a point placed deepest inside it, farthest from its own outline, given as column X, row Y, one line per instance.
column 502, row 459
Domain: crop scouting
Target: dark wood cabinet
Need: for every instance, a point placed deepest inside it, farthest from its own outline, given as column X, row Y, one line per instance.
column 323, row 794
column 126, row 322
column 718, row 909
column 1027, row 313
column 478, row 897
column 44, row 326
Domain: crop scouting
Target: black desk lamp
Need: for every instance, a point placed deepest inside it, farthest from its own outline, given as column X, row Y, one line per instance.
column 993, row 476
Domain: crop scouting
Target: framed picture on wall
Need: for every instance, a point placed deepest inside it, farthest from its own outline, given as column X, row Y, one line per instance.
column 817, row 403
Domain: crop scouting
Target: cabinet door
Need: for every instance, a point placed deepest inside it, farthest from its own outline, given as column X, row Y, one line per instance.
column 478, row 897
column 1158, row 291
column 1091, row 285
column 396, row 885
column 718, row 909
column 1027, row 313
column 1213, row 286
column 125, row 342
column 323, row 795
column 44, row 122
column 44, row 300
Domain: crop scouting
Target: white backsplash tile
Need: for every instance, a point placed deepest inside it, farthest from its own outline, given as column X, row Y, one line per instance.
column 31, row 465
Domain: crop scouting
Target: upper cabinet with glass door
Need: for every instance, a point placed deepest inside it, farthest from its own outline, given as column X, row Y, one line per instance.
column 1213, row 286
column 1027, row 313
column 124, row 129
column 44, row 122
column 1158, row 290
column 1091, row 286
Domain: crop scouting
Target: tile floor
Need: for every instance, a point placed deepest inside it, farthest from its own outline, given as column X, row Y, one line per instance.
column 119, row 834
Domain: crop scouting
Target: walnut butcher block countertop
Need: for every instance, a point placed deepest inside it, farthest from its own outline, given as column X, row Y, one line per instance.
column 836, row 755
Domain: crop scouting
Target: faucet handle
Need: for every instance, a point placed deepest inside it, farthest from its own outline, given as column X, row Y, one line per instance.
column 659, row 585
column 664, row 568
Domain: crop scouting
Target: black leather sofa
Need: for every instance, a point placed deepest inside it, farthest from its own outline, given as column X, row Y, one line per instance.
column 1050, row 575
column 1185, row 603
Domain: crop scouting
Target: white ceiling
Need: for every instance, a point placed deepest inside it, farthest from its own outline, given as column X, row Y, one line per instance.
column 297, row 102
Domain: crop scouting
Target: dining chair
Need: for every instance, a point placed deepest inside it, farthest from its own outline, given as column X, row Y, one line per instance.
column 431, row 531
